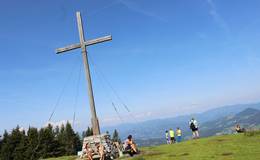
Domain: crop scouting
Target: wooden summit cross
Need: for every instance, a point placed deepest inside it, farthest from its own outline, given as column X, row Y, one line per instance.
column 82, row 45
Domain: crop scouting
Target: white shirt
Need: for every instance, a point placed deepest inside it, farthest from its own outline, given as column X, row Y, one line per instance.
column 195, row 123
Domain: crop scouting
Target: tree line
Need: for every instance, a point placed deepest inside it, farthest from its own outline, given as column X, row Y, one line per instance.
column 43, row 143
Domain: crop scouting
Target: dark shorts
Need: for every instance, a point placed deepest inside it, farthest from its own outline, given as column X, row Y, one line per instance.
column 128, row 147
column 195, row 129
column 172, row 138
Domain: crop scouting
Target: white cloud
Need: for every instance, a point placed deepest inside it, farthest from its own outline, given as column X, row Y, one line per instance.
column 109, row 120
column 216, row 16
column 111, row 4
column 126, row 118
column 23, row 129
column 131, row 5
column 59, row 123
column 136, row 8
column 143, row 115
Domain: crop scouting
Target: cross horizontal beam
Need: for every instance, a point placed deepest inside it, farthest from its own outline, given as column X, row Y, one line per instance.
column 87, row 43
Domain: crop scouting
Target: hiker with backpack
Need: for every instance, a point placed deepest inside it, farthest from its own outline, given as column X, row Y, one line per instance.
column 195, row 128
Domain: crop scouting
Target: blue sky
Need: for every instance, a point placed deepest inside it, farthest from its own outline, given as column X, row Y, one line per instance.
column 167, row 58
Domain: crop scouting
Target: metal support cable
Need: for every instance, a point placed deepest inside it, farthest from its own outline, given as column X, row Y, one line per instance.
column 112, row 88
column 77, row 94
column 105, row 90
column 117, row 112
column 62, row 90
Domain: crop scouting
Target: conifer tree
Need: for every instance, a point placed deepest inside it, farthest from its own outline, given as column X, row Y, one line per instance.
column 48, row 145
column 61, row 140
column 88, row 132
column 19, row 151
column 1, row 142
column 83, row 135
column 48, row 142
column 115, row 137
column 56, row 131
column 14, row 141
column 78, row 142
column 70, row 140
column 5, row 150
column 33, row 144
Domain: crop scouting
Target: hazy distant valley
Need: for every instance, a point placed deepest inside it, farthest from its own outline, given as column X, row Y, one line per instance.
column 212, row 122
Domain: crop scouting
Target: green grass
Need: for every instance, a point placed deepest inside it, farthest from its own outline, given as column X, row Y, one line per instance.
column 228, row 147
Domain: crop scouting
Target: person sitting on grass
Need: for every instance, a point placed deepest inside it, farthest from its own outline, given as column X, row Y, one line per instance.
column 130, row 146
column 239, row 130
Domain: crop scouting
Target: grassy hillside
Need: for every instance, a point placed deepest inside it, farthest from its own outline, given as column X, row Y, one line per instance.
column 248, row 118
column 238, row 147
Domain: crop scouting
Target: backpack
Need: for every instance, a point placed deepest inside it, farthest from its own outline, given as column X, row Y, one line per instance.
column 192, row 125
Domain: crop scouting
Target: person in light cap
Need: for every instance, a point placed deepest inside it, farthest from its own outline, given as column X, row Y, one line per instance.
column 195, row 128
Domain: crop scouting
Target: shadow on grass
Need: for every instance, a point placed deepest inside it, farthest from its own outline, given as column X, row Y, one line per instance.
column 172, row 155
column 227, row 154
column 221, row 140
column 184, row 154
column 153, row 153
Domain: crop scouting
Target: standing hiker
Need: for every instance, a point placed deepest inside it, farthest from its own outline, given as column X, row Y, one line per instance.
column 178, row 133
column 167, row 137
column 171, row 132
column 195, row 128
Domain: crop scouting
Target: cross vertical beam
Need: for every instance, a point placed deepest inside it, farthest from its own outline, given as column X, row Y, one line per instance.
column 82, row 45
column 94, row 119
